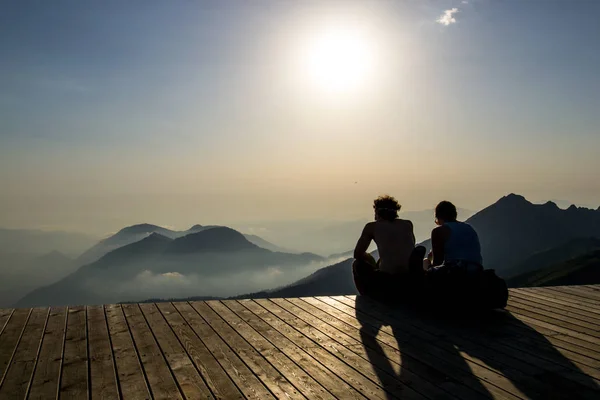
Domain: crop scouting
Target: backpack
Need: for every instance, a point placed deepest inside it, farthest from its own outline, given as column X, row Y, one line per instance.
column 491, row 290
column 455, row 289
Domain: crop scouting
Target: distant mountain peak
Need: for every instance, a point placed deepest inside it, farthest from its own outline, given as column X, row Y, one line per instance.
column 150, row 240
column 551, row 204
column 140, row 228
column 196, row 227
column 513, row 198
column 513, row 201
column 212, row 239
column 157, row 236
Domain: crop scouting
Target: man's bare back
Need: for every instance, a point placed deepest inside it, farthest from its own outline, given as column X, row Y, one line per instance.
column 395, row 241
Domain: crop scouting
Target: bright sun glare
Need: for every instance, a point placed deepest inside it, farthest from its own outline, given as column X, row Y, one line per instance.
column 340, row 60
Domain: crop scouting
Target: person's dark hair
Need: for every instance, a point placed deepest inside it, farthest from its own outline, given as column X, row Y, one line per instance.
column 446, row 211
column 387, row 207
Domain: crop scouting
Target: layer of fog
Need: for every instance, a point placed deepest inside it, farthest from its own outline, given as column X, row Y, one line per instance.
column 173, row 285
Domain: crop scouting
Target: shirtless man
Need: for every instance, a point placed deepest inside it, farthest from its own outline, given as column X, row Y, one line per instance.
column 399, row 260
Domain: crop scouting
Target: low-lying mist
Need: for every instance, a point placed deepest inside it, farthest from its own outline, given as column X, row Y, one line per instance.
column 173, row 285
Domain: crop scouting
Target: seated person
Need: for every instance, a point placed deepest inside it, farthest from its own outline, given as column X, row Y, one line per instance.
column 453, row 243
column 398, row 257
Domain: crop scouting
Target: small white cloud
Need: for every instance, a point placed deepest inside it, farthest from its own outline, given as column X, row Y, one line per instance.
column 447, row 17
column 464, row 2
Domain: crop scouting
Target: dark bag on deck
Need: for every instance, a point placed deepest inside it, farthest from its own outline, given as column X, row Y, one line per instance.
column 454, row 288
column 492, row 291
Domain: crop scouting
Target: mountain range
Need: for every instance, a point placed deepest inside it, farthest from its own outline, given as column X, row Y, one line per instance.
column 134, row 233
column 199, row 257
column 147, row 261
column 581, row 270
column 557, row 255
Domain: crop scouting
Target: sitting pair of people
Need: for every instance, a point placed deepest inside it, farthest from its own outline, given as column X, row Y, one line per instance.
column 402, row 271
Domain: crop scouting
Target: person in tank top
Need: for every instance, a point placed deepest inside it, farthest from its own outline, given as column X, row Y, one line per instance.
column 453, row 243
column 398, row 257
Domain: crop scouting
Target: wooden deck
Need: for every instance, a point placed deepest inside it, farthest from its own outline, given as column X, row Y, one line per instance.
column 546, row 345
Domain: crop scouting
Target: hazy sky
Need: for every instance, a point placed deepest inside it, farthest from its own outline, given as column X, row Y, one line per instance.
column 182, row 112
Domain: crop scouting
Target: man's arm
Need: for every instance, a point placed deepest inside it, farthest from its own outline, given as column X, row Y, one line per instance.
column 412, row 232
column 438, row 239
column 360, row 251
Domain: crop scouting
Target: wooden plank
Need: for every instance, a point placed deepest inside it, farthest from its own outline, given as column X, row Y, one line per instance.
column 336, row 387
column 266, row 373
column 103, row 377
column 221, row 386
column 557, row 305
column 588, row 335
column 566, row 316
column 582, row 301
column 159, row 376
column 74, row 380
column 10, row 339
column 584, row 295
column 593, row 288
column 318, row 349
column 47, row 371
column 435, row 353
column 20, row 371
column 374, row 366
column 520, row 364
column 525, row 326
column 553, row 297
column 5, row 314
column 432, row 384
column 540, row 345
column 585, row 291
column 577, row 324
column 565, row 344
column 131, row 378
column 571, row 312
column 300, row 379
column 547, row 328
column 189, row 380
column 239, row 372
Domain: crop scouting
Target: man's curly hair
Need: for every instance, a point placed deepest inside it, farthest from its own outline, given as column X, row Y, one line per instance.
column 387, row 207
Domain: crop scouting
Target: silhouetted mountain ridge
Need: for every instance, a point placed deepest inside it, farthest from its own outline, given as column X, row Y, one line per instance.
column 213, row 239
column 157, row 260
column 135, row 233
column 559, row 254
column 581, row 270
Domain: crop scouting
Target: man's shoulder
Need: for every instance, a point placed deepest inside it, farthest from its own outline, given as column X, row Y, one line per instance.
column 403, row 223
column 369, row 226
column 440, row 231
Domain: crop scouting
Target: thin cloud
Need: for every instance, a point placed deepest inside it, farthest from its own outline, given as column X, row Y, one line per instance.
column 447, row 17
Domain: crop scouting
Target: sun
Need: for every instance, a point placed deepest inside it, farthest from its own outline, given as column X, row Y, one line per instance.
column 339, row 60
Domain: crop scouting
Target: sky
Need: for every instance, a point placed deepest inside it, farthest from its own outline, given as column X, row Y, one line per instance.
column 223, row 112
